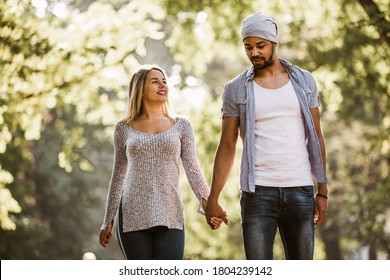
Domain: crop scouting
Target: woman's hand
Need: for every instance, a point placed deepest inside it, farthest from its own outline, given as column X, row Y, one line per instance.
column 106, row 234
column 216, row 222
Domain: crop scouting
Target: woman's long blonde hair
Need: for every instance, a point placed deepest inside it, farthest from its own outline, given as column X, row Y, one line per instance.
column 136, row 89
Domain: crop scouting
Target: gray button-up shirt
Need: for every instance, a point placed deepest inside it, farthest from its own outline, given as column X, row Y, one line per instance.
column 238, row 101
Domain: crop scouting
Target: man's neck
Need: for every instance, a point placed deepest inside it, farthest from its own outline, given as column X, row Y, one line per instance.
column 273, row 70
column 273, row 76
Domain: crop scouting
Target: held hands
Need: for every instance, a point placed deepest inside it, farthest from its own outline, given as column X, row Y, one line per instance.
column 106, row 234
column 215, row 215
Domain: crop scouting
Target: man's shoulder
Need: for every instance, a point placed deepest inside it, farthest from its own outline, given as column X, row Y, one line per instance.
column 239, row 77
column 303, row 73
column 295, row 69
column 233, row 85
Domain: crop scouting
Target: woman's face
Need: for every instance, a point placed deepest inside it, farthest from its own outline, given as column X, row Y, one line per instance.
column 155, row 88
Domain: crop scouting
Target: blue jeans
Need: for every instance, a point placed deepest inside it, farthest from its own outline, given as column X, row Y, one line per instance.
column 289, row 209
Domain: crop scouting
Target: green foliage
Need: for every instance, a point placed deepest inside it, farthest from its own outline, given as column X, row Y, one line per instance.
column 349, row 64
column 22, row 49
column 63, row 87
column 8, row 203
column 204, row 31
column 225, row 16
column 360, row 185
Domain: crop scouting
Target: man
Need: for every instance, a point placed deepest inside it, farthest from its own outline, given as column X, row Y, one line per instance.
column 273, row 106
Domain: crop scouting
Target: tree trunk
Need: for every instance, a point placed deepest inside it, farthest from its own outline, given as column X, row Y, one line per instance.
column 372, row 251
column 330, row 237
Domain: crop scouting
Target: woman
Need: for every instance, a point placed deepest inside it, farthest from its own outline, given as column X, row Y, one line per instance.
column 148, row 146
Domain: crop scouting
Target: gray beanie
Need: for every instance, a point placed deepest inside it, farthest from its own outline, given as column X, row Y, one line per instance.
column 260, row 25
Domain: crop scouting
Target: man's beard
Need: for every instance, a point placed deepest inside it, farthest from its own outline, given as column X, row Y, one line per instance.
column 267, row 62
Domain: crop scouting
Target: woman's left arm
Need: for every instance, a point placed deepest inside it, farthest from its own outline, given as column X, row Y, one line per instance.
column 191, row 166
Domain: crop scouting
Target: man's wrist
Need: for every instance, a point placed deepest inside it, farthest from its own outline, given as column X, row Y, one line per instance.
column 212, row 198
column 322, row 189
column 322, row 195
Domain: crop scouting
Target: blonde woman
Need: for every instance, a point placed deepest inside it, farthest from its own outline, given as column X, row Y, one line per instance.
column 144, row 187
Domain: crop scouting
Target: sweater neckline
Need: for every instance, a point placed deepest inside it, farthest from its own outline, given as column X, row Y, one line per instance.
column 155, row 134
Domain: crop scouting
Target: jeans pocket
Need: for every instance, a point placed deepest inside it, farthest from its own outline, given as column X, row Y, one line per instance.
column 308, row 190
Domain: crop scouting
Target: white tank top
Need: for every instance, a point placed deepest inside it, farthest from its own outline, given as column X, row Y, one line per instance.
column 281, row 157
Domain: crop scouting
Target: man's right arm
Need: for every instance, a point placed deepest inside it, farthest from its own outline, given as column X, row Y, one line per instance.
column 223, row 162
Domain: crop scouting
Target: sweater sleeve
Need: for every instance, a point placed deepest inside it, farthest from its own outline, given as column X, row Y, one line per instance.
column 117, row 176
column 191, row 165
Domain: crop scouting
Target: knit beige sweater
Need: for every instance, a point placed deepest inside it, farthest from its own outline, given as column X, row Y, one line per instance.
column 145, row 176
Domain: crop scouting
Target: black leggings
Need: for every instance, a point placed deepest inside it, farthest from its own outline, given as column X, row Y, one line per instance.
column 156, row 243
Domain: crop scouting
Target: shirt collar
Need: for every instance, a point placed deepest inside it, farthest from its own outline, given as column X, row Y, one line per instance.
column 287, row 65
column 250, row 73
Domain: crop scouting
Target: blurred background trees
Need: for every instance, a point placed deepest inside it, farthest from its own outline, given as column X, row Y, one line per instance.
column 65, row 66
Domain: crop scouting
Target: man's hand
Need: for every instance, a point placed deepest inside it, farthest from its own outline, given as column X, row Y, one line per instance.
column 214, row 214
column 320, row 210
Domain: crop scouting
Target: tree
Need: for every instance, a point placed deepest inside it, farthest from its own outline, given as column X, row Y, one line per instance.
column 62, row 89
column 22, row 48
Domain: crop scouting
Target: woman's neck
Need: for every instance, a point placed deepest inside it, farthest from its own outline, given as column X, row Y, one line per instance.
column 152, row 114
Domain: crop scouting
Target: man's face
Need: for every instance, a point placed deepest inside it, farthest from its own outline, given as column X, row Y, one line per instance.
column 259, row 51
